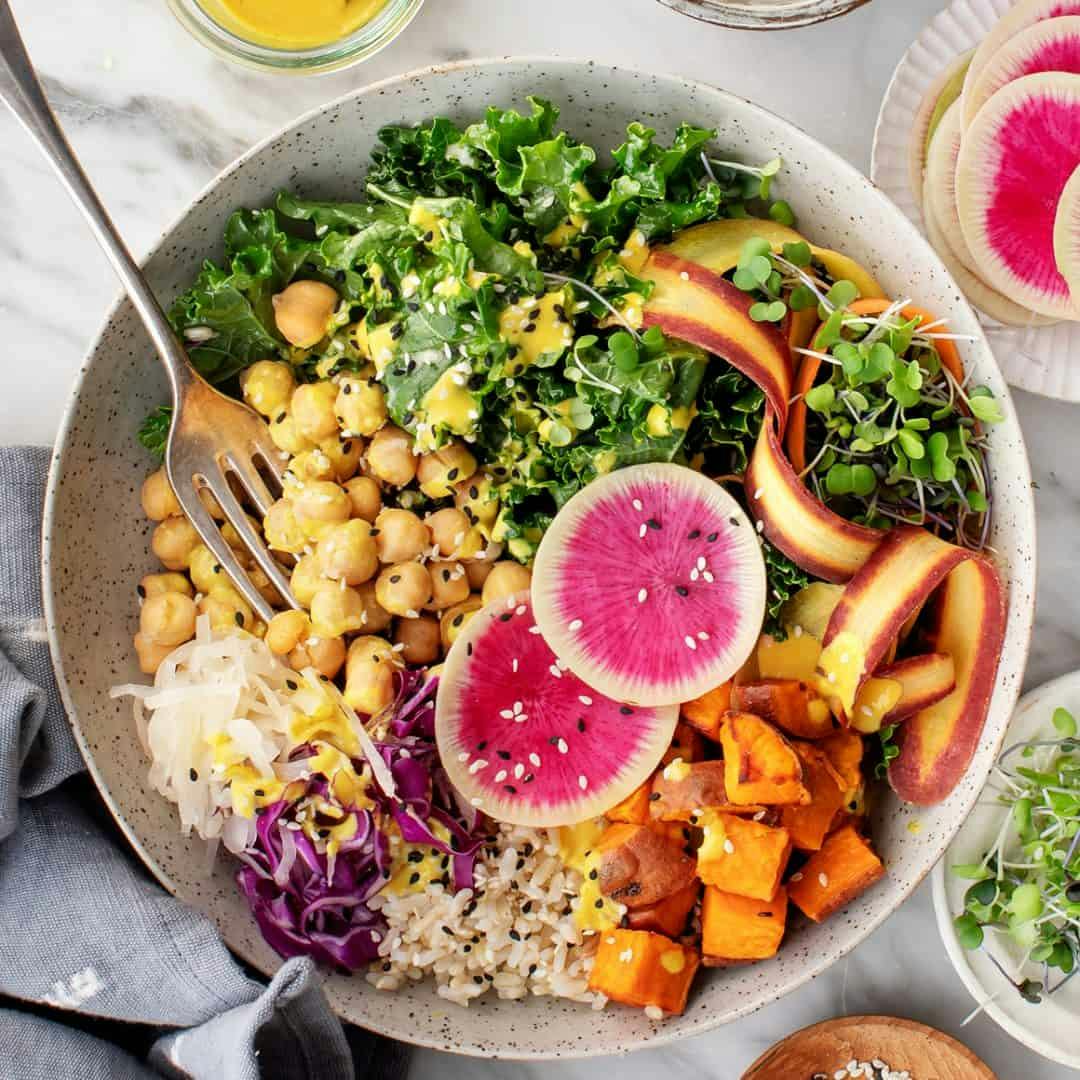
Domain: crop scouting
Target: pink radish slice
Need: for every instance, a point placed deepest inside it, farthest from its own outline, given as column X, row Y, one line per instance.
column 941, row 183
column 1020, row 16
column 650, row 584
column 920, row 127
column 525, row 740
column 1052, row 45
column 1067, row 233
column 979, row 294
column 1014, row 162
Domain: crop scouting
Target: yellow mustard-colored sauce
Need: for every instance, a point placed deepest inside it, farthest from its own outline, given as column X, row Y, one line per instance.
column 292, row 24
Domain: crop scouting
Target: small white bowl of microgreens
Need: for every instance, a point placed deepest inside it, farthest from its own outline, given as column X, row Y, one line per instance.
column 1007, row 892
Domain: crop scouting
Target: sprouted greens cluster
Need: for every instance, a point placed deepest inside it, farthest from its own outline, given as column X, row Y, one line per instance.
column 1027, row 887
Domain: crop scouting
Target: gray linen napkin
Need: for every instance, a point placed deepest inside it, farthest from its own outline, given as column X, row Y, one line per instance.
column 84, row 928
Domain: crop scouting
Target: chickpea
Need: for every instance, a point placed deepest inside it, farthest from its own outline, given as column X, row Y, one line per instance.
column 403, row 589
column 440, row 471
column 420, row 637
column 173, row 542
column 344, row 456
column 158, row 500
column 374, row 618
column 282, row 530
column 302, row 311
column 477, row 499
column 400, row 536
column 320, row 502
column 307, row 578
column 168, row 619
column 348, row 553
column 227, row 610
column 232, row 538
column 369, row 674
column 155, row 584
column 213, row 507
column 312, row 464
column 336, row 611
column 455, row 619
column 150, row 654
column 449, row 529
column 360, row 406
column 286, row 434
column 477, row 571
column 449, row 585
column 286, row 630
column 506, row 578
column 268, row 386
column 204, row 569
column 313, row 409
column 390, row 457
column 325, row 655
column 366, row 497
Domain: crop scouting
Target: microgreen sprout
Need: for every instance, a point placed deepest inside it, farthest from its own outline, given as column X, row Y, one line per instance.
column 763, row 173
column 1027, row 886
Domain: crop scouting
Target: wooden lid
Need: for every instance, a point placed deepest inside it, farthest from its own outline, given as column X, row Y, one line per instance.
column 824, row 1049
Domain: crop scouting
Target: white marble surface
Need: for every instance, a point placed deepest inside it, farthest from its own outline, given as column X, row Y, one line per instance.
column 154, row 118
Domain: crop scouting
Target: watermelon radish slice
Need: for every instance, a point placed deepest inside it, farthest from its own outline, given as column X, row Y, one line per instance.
column 1053, row 45
column 1018, row 18
column 987, row 300
column 1014, row 163
column 943, row 91
column 650, row 584
column 527, row 741
column 941, row 183
column 1067, row 233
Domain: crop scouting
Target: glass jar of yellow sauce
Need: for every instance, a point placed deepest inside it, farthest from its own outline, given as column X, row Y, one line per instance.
column 295, row 36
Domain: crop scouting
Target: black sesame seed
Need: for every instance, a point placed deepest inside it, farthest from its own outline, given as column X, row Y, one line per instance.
column 712, row 537
column 291, row 685
column 478, row 979
column 444, row 862
column 459, row 619
column 238, row 616
column 520, row 865
column 374, row 532
column 324, row 833
column 447, row 930
column 682, row 590
column 192, row 775
column 347, row 388
column 386, row 965
column 581, row 723
column 414, row 878
column 408, row 418
column 559, row 310
column 526, row 907
column 474, row 492
column 599, row 903
column 512, row 351
column 466, row 948
column 505, row 617
column 280, row 419
column 476, row 937
column 510, row 789
column 346, row 447
column 594, row 874
column 694, row 534
column 416, row 856
column 482, row 744
column 653, row 796
column 386, row 873
column 529, row 328
column 412, row 305
column 532, row 969
column 141, row 591
column 504, row 754
column 395, row 578
column 429, row 236
column 765, row 914
column 626, row 710
column 446, row 575
column 468, row 649
column 554, row 740
column 453, row 474
column 514, row 935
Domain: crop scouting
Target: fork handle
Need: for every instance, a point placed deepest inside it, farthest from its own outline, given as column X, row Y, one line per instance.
column 22, row 93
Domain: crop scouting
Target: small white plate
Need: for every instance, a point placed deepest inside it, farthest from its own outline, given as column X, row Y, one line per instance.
column 1050, row 1027
column 1040, row 359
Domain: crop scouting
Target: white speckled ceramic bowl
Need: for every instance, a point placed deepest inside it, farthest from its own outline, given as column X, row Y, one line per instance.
column 96, row 541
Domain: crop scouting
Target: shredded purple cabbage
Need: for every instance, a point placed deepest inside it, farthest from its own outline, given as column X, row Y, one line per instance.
column 299, row 908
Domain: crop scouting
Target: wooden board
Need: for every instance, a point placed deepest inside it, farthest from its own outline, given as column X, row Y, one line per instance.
column 818, row 1052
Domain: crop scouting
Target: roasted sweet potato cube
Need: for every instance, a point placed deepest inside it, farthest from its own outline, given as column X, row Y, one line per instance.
column 832, row 877
column 685, row 744
column 640, row 866
column 681, row 792
column 706, row 713
column 789, row 704
column 669, row 915
column 636, row 967
column 736, row 929
column 809, row 825
column 634, row 809
column 760, row 765
column 743, row 856
column 845, row 752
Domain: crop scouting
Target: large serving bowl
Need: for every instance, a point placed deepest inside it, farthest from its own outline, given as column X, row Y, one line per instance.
column 97, row 542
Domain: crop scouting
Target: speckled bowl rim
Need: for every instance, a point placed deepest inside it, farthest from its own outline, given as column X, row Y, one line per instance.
column 660, row 1036
column 738, row 16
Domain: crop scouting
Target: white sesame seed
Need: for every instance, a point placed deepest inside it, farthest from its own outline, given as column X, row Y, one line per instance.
column 798, row 631
column 823, row 880
column 517, row 707
column 708, row 576
column 690, row 642
column 477, row 765
column 519, row 771
column 760, row 526
column 684, row 275
column 506, row 714
column 583, row 782
column 562, row 747
column 701, row 563
column 636, row 504
column 845, row 657
column 626, row 955
column 514, row 664
column 520, row 609
column 575, row 624
column 702, row 635
column 797, row 876
column 759, row 493
column 729, row 848
column 555, row 671
column 521, row 718
column 642, row 531
column 463, row 756
column 534, row 759
column 642, row 596
column 584, row 699
column 695, row 574
column 832, row 676
column 477, row 802
column 534, row 629
column 500, row 776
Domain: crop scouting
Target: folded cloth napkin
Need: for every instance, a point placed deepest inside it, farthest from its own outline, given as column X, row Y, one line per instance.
column 84, row 928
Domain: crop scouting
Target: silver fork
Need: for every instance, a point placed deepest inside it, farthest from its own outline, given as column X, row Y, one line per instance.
column 212, row 437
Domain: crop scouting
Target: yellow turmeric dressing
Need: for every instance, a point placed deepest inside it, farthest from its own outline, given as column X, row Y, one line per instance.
column 292, row 24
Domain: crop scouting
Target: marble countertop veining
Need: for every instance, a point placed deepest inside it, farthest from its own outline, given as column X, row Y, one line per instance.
column 154, row 117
